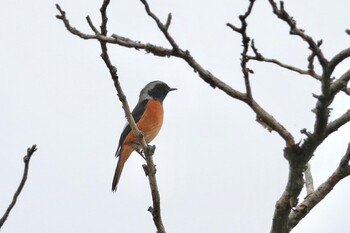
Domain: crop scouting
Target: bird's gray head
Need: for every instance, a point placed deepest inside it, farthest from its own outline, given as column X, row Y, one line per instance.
column 155, row 90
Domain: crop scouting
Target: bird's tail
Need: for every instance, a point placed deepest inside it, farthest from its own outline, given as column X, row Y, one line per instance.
column 123, row 156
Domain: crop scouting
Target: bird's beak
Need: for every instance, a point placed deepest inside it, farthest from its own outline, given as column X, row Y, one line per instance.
column 172, row 89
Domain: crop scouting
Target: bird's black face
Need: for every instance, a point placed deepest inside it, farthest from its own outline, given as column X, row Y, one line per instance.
column 160, row 91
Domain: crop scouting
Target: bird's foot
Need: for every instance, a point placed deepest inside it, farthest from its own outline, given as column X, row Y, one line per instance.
column 140, row 152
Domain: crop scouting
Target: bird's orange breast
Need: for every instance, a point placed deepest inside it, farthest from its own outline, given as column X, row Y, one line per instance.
column 150, row 122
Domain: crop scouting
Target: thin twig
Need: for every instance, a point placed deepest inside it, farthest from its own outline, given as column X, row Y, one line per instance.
column 26, row 160
column 244, row 55
column 281, row 13
column 163, row 27
column 259, row 57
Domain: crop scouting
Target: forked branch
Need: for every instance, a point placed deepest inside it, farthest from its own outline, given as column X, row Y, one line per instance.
column 311, row 200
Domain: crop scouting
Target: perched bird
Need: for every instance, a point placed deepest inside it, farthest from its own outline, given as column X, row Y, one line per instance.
column 148, row 116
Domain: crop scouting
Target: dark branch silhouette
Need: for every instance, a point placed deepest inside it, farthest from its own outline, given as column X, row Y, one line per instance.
column 26, row 160
column 288, row 211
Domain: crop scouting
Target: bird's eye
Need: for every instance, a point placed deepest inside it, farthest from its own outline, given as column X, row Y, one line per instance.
column 161, row 86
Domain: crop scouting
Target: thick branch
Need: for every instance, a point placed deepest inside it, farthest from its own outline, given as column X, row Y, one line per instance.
column 299, row 156
column 337, row 123
column 341, row 83
column 342, row 171
column 26, row 160
column 289, row 197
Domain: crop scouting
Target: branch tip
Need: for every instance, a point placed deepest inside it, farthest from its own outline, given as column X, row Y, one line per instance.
column 26, row 160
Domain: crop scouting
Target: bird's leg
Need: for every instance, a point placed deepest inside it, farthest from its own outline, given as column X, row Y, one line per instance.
column 138, row 149
column 140, row 152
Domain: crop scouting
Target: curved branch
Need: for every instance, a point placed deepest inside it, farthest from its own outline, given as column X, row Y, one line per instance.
column 342, row 171
column 259, row 57
column 339, row 57
column 26, row 160
column 337, row 123
column 341, row 83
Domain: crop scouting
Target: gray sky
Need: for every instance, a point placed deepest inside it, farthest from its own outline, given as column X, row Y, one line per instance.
column 218, row 170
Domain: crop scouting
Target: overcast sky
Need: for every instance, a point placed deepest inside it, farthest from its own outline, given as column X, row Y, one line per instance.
column 218, row 170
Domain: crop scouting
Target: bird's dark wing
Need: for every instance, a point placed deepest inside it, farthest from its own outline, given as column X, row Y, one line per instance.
column 136, row 114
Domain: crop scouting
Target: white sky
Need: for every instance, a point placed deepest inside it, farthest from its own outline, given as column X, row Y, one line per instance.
column 218, row 170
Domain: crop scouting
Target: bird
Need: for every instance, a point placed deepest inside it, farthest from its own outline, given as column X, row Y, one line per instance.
column 148, row 116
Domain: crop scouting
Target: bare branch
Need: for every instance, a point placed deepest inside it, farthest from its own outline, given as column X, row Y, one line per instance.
column 163, row 28
column 259, row 57
column 342, row 171
column 311, row 58
column 92, row 26
column 294, row 30
column 26, row 160
column 341, row 83
column 149, row 150
column 244, row 55
column 289, row 197
column 168, row 22
column 206, row 75
column 264, row 118
column 309, row 183
column 338, row 58
column 71, row 29
column 337, row 123
column 104, row 18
